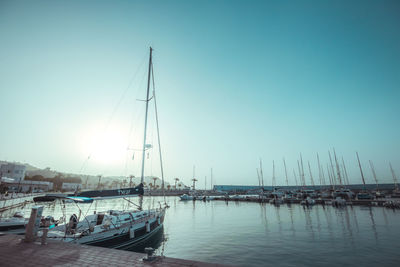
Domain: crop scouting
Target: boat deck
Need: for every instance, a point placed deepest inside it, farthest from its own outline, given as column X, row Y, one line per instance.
column 15, row 252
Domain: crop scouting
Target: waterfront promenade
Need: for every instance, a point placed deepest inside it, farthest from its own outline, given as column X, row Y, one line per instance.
column 15, row 252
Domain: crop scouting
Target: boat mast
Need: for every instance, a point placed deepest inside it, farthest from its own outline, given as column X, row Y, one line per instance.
column 145, row 118
column 284, row 164
column 301, row 180
column 273, row 175
column 258, row 177
column 394, row 177
column 295, row 178
column 374, row 174
column 311, row 177
column 337, row 167
column 302, row 171
column 332, row 171
column 329, row 176
column 362, row 174
column 345, row 172
column 261, row 175
column 319, row 171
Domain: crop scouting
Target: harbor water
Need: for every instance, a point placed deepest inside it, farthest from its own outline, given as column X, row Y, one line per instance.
column 254, row 234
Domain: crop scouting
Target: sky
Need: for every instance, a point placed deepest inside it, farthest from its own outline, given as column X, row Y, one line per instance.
column 236, row 82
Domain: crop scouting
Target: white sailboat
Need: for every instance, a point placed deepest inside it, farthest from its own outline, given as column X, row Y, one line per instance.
column 117, row 229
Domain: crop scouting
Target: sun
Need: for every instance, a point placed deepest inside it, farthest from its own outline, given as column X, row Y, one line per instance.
column 110, row 148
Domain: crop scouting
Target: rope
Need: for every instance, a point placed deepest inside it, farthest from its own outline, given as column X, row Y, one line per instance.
column 114, row 110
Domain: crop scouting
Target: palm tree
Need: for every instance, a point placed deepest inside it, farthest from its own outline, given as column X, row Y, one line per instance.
column 154, row 179
column 151, row 185
column 179, row 186
column 176, row 180
column 169, row 187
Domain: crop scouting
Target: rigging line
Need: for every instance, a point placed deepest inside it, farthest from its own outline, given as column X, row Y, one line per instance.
column 116, row 107
column 158, row 132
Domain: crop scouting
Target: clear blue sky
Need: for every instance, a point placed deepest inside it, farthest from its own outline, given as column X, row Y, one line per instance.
column 236, row 81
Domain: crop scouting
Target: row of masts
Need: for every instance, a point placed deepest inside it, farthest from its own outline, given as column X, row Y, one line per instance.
column 336, row 173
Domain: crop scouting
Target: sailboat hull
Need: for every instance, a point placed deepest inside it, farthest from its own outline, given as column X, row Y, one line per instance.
column 123, row 192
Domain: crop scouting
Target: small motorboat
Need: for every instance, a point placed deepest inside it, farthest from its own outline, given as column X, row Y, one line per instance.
column 15, row 224
column 185, row 197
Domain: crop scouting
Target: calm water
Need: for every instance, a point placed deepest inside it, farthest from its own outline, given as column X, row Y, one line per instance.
column 251, row 234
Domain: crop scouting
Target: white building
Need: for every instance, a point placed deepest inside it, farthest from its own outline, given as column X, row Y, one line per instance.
column 13, row 171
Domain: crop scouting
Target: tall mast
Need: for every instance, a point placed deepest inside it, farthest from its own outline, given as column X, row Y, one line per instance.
column 273, row 174
column 394, row 177
column 284, row 164
column 301, row 180
column 311, row 177
column 302, row 170
column 332, row 171
column 329, row 176
column 362, row 174
column 374, row 174
column 295, row 178
column 258, row 177
column 337, row 168
column 345, row 172
column 261, row 175
column 323, row 175
column 319, row 170
column 145, row 118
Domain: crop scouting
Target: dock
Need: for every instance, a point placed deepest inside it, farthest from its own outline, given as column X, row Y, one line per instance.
column 14, row 251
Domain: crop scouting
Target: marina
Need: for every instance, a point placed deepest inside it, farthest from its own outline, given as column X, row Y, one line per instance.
column 255, row 234
column 199, row 133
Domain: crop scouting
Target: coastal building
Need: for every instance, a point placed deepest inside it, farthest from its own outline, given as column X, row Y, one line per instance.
column 13, row 171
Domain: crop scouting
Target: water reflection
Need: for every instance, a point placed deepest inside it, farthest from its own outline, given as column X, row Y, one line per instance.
column 373, row 225
column 309, row 225
column 264, row 219
column 293, row 230
column 220, row 232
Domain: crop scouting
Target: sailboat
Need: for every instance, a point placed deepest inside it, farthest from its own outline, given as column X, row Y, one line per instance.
column 396, row 191
column 117, row 229
column 363, row 194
